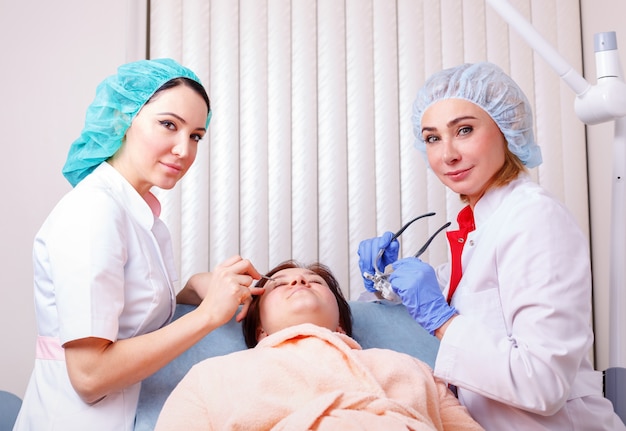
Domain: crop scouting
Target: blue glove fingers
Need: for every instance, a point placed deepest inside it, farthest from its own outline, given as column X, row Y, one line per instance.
column 391, row 250
column 366, row 261
column 414, row 275
column 416, row 283
column 368, row 252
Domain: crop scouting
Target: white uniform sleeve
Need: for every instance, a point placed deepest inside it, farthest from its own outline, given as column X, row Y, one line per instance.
column 87, row 253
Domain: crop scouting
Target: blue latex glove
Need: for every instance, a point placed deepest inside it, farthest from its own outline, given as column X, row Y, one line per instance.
column 416, row 283
column 368, row 252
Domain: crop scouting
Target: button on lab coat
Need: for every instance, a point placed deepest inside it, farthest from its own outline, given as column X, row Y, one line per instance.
column 103, row 268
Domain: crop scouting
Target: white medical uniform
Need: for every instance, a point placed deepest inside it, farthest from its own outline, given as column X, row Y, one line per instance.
column 103, row 268
column 519, row 350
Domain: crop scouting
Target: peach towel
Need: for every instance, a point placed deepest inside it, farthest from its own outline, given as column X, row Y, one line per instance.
column 309, row 378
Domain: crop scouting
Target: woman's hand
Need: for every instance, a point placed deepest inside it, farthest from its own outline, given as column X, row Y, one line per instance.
column 226, row 288
column 195, row 290
column 368, row 252
column 416, row 283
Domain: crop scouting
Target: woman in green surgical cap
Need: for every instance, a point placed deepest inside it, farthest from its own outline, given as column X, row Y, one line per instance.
column 103, row 263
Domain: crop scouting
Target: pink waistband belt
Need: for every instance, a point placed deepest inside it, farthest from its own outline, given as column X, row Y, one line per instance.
column 49, row 348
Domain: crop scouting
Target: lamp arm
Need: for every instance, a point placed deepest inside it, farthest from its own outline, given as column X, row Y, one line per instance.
column 516, row 20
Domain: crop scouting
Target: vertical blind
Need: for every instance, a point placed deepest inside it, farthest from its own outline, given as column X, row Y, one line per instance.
column 310, row 148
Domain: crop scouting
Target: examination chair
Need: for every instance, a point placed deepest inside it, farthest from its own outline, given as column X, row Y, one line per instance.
column 374, row 325
column 9, row 407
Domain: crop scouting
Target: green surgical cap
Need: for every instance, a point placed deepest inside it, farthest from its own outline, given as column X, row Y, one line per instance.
column 487, row 86
column 118, row 100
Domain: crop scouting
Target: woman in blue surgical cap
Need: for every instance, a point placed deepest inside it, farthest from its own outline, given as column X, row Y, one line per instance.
column 512, row 307
column 103, row 261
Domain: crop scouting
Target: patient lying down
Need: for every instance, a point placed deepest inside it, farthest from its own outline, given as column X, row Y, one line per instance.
column 306, row 373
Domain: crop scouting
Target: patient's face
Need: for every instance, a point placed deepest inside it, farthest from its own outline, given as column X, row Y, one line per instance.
column 297, row 296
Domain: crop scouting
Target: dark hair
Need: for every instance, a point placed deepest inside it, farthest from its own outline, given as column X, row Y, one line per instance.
column 251, row 322
column 194, row 85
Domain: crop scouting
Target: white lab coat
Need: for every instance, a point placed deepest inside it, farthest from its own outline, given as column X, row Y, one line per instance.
column 519, row 351
column 104, row 268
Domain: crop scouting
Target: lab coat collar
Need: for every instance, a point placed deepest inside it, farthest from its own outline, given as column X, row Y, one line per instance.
column 124, row 192
column 493, row 198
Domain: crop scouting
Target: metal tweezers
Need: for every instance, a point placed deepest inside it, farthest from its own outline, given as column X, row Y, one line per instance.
column 380, row 278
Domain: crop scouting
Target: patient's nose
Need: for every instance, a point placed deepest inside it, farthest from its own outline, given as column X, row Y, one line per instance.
column 298, row 279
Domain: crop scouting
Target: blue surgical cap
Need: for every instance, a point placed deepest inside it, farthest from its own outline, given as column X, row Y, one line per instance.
column 118, row 100
column 487, row 86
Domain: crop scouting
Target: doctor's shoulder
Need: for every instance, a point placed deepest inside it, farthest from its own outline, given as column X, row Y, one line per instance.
column 531, row 205
column 85, row 204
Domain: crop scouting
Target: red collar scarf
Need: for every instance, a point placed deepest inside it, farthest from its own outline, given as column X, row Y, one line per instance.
column 457, row 239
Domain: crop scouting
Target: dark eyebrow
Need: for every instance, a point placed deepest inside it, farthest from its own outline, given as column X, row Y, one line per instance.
column 451, row 122
column 458, row 120
column 181, row 119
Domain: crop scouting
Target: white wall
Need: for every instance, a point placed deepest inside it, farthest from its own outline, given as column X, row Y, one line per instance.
column 55, row 53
